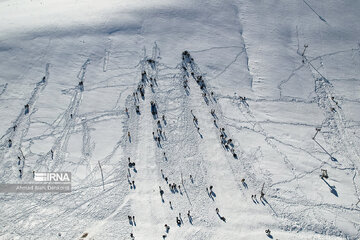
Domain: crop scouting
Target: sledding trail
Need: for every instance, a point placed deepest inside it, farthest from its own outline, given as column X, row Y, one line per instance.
column 145, row 202
column 220, row 163
column 11, row 148
column 182, row 159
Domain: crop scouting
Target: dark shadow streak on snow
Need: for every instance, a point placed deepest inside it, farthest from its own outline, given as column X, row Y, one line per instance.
column 321, row 18
column 332, row 188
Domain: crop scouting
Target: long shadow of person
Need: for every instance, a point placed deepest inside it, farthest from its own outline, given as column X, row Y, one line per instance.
column 221, row 217
column 213, row 193
column 332, row 188
column 190, row 220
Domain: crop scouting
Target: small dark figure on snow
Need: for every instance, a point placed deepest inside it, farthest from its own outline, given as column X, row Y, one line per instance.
column 167, row 228
column 26, row 108
column 262, row 194
column 178, row 221
column 161, row 191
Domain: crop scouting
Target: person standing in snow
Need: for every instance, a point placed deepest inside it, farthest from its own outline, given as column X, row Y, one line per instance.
column 161, row 192
column 167, row 228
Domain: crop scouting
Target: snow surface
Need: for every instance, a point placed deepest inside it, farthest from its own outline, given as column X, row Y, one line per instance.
column 241, row 48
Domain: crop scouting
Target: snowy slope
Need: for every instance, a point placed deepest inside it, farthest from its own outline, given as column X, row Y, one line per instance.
column 240, row 48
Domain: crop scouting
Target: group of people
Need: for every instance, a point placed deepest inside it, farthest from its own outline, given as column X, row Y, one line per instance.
column 227, row 143
column 131, row 165
column 160, row 133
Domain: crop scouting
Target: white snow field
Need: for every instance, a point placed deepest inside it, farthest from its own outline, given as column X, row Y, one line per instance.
column 237, row 48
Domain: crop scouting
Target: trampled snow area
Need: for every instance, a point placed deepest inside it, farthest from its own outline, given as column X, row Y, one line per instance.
column 251, row 49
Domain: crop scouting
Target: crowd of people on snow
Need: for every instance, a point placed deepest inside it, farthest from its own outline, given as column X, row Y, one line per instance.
column 159, row 136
